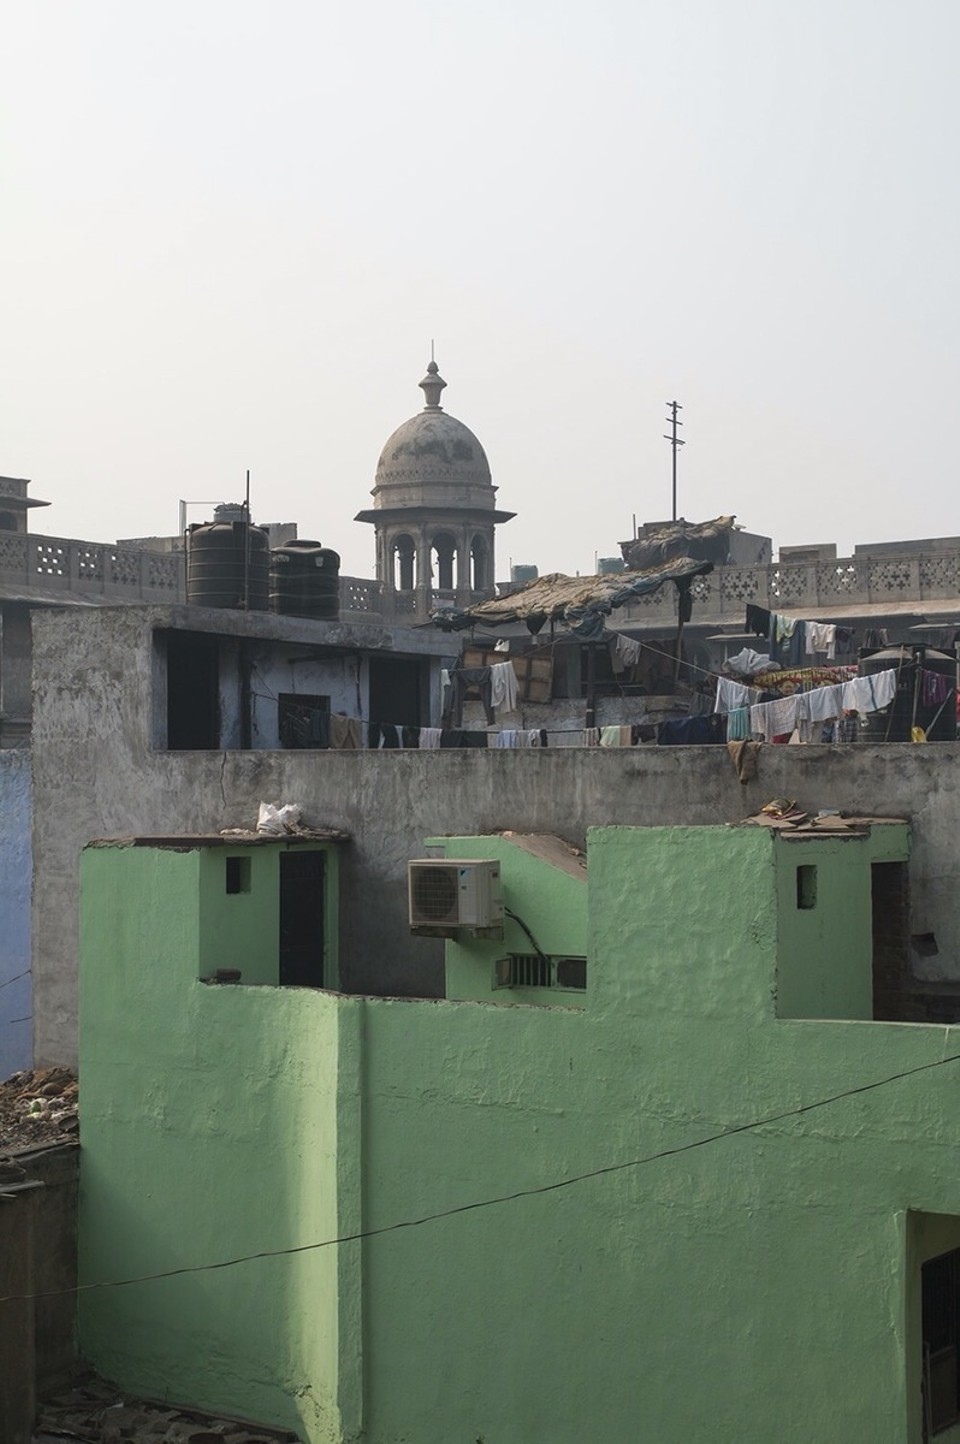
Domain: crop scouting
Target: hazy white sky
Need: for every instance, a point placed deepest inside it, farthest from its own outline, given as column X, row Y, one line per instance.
column 231, row 229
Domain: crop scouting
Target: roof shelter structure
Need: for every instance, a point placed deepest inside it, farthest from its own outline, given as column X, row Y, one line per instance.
column 580, row 602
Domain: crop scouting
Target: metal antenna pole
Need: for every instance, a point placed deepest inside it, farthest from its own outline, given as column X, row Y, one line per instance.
column 675, row 444
column 246, row 547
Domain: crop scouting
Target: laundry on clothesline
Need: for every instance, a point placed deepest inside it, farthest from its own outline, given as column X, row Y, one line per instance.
column 503, row 686
column 518, row 737
column 821, row 637
column 625, row 652
column 732, row 695
column 780, row 717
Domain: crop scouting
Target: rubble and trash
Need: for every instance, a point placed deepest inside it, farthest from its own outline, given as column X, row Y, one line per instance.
column 38, row 1106
column 277, row 820
column 96, row 1411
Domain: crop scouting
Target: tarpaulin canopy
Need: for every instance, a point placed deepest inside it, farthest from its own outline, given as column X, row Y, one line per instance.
column 707, row 540
column 580, row 602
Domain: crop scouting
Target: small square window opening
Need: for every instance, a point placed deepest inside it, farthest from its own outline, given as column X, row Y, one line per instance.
column 807, row 887
column 237, row 874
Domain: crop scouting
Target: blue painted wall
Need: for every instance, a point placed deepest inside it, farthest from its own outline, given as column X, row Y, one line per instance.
column 16, row 1025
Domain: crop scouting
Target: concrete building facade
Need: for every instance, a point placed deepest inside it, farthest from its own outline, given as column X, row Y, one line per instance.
column 99, row 770
column 704, row 1196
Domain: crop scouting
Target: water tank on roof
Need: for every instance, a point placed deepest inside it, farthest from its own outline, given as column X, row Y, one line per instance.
column 523, row 573
column 895, row 724
column 609, row 566
column 228, row 563
column 305, row 580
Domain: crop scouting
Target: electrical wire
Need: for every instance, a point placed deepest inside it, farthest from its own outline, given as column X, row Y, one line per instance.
column 508, row 912
column 497, row 1199
column 7, row 981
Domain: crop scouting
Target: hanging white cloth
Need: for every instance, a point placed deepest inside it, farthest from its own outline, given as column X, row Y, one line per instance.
column 822, row 637
column 503, row 686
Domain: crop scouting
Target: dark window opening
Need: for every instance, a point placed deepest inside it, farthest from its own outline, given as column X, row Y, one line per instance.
column 940, row 1288
column 533, row 970
column 572, row 973
column 237, row 874
column 303, row 720
column 302, row 919
column 402, row 564
column 193, row 692
column 396, row 692
column 444, row 563
column 479, row 558
column 807, row 886
column 8, row 522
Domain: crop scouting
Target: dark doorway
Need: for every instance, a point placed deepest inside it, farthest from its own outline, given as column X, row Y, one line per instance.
column 193, row 692
column 301, row 919
column 890, row 899
column 395, row 692
column 940, row 1284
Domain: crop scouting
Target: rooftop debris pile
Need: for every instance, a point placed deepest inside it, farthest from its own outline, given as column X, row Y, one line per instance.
column 38, row 1105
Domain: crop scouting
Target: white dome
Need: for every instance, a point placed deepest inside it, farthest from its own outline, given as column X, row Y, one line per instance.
column 433, row 447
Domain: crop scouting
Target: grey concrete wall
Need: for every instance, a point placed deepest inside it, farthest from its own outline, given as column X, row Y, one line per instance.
column 96, row 775
column 16, row 1029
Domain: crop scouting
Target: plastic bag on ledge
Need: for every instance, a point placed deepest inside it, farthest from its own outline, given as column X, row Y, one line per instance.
column 275, row 821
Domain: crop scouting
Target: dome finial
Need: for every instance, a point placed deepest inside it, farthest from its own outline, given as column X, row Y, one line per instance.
column 432, row 384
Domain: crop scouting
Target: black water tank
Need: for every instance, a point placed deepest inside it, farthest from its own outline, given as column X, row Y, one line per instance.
column 305, row 580
column 227, row 561
column 895, row 723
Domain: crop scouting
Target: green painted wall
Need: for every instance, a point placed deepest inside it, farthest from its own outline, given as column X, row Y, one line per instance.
column 241, row 930
column 211, row 1119
column 825, row 952
column 552, row 903
column 761, row 1287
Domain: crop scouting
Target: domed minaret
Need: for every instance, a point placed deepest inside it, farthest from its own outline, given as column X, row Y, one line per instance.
column 434, row 512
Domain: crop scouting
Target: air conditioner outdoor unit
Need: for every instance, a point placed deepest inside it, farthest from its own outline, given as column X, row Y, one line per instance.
column 448, row 894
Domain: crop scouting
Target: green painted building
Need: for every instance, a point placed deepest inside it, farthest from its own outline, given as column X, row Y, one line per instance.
column 718, row 1193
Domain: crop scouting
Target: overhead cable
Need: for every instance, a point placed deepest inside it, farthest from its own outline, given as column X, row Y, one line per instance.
column 497, row 1199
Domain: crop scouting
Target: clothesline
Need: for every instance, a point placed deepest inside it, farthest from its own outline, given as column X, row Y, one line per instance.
column 345, row 733
column 792, row 638
column 382, row 735
column 803, row 710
